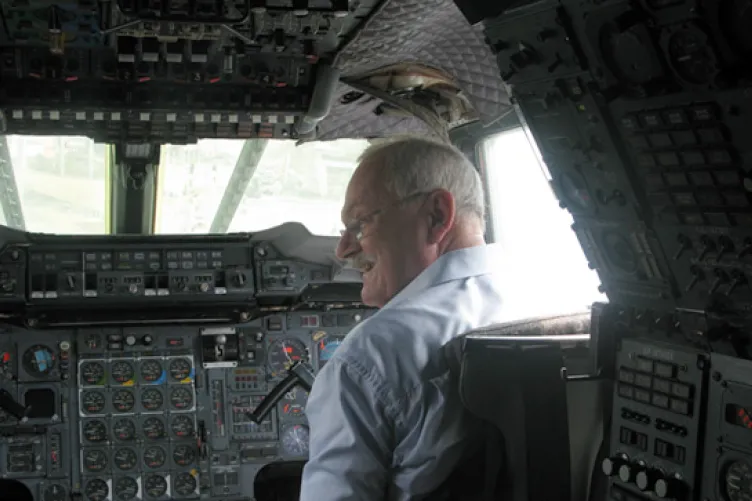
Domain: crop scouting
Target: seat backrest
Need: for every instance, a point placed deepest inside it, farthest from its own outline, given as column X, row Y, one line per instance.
column 548, row 429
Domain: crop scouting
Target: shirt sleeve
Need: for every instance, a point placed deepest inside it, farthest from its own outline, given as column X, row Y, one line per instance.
column 350, row 436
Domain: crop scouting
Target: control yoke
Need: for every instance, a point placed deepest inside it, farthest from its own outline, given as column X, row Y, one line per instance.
column 299, row 373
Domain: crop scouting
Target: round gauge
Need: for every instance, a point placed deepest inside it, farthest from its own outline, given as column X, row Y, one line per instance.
column 185, row 483
column 96, row 490
column 151, row 371
column 95, row 460
column 124, row 430
column 153, row 428
column 122, row 372
column 38, row 360
column 54, row 492
column 183, row 455
column 181, row 398
column 95, row 431
column 154, row 457
column 123, row 400
column 125, row 488
column 295, row 440
column 152, row 399
column 93, row 402
column 738, row 481
column 327, row 347
column 293, row 403
column 125, row 458
column 574, row 191
column 155, row 485
column 180, row 369
column 182, row 426
column 92, row 373
column 285, row 352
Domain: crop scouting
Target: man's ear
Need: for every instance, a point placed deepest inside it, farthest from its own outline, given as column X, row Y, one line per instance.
column 441, row 214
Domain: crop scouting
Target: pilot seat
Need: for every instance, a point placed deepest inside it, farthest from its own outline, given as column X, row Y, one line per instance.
column 537, row 387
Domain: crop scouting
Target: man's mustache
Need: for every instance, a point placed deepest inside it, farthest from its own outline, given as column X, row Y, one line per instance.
column 359, row 262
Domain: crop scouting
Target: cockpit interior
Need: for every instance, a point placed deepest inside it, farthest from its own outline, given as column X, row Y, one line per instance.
column 172, row 174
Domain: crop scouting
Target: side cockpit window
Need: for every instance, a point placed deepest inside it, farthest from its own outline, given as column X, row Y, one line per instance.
column 545, row 270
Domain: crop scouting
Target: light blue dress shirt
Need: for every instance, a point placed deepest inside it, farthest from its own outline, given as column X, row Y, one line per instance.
column 386, row 423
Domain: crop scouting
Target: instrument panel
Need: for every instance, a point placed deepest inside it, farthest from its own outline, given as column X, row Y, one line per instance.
column 157, row 412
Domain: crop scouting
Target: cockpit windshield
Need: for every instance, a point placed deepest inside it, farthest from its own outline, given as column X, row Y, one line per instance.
column 213, row 186
column 53, row 184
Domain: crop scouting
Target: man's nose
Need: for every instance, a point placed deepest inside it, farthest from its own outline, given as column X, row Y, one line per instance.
column 346, row 247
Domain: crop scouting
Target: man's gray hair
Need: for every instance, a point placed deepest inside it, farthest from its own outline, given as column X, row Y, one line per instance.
column 412, row 164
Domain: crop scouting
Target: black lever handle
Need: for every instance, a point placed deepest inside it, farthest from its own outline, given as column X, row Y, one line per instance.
column 9, row 405
column 298, row 374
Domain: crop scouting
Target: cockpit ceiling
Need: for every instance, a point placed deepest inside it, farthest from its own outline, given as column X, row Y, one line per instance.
column 432, row 34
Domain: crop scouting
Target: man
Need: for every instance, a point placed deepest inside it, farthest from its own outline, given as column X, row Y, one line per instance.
column 386, row 421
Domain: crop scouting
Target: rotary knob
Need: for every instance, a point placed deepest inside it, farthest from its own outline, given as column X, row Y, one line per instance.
column 628, row 472
column 130, row 340
column 611, row 465
column 133, row 288
column 669, row 488
column 646, row 479
column 147, row 339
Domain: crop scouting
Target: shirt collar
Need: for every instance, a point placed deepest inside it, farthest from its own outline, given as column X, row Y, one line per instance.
column 454, row 265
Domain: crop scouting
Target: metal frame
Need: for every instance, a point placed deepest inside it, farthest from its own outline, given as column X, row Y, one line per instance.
column 9, row 197
column 245, row 168
column 133, row 187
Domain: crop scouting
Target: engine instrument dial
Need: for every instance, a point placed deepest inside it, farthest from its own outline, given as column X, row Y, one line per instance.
column 180, row 369
column 96, row 490
column 295, row 440
column 155, row 485
column 125, row 488
column 152, row 399
column 124, row 429
column 283, row 353
column 93, row 402
column 154, row 457
column 94, row 431
column 151, row 371
column 181, row 398
column 153, row 428
column 125, row 458
column 92, row 373
column 95, row 460
column 54, row 492
column 182, row 426
column 185, row 483
column 122, row 372
column 183, row 455
column 738, row 481
column 123, row 400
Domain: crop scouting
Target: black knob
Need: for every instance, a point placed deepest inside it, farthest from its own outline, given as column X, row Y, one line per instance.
column 627, row 472
column 646, row 479
column 669, row 488
column 610, row 466
column 147, row 339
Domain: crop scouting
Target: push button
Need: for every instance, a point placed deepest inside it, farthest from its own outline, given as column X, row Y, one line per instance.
column 644, row 365
column 680, row 406
column 626, row 376
column 681, row 390
column 665, row 370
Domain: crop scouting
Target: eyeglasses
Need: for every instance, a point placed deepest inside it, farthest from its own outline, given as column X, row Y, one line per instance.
column 356, row 227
